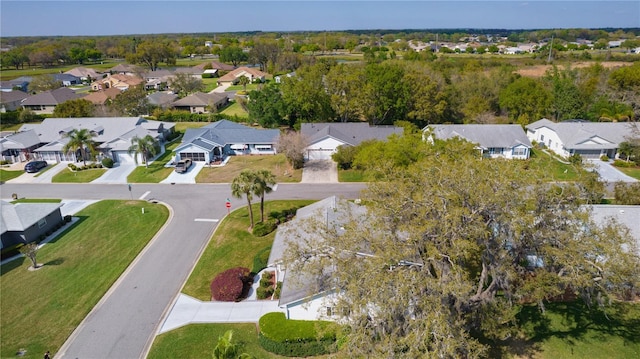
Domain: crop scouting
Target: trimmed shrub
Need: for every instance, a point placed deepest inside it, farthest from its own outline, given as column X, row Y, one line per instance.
column 72, row 166
column 276, row 293
column 229, row 285
column 622, row 163
column 264, row 228
column 261, row 259
column 67, row 218
column 5, row 162
column 268, row 275
column 264, row 293
column 265, row 282
column 604, row 158
column 296, row 338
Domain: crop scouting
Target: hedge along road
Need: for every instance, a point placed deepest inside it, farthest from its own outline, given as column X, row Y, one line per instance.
column 124, row 323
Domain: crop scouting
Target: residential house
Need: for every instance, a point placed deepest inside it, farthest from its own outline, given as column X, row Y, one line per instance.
column 215, row 65
column 325, row 138
column 126, row 69
column 119, row 81
column 162, row 99
column 107, row 131
column 11, row 100
column 513, row 50
column 27, row 222
column 193, row 71
column 254, row 75
column 101, row 97
column 157, row 80
column 67, row 79
column 85, row 74
column 45, row 102
column 21, row 84
column 201, row 102
column 19, row 147
column 495, row 141
column 588, row 139
column 222, row 138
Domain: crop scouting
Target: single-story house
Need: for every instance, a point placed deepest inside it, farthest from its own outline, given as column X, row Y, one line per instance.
column 195, row 72
column 201, row 102
column 19, row 146
column 11, row 100
column 21, row 83
column 67, row 79
column 85, row 74
column 325, row 138
column 157, row 80
column 126, row 69
column 254, row 75
column 119, row 81
column 162, row 99
column 118, row 147
column 27, row 222
column 101, row 97
column 299, row 297
column 223, row 138
column 495, row 141
column 108, row 135
column 588, row 139
column 45, row 102
column 215, row 65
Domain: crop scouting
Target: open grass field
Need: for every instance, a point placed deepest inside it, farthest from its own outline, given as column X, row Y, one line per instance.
column 351, row 175
column 233, row 246
column 234, row 109
column 12, row 73
column 6, row 175
column 276, row 164
column 84, row 176
column 41, row 308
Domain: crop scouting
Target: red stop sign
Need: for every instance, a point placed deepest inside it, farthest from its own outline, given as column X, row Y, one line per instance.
column 228, row 204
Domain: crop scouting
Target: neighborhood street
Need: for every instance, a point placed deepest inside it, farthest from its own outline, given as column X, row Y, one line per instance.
column 125, row 321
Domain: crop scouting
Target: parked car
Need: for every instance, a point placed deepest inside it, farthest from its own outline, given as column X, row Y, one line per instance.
column 35, row 166
column 183, row 165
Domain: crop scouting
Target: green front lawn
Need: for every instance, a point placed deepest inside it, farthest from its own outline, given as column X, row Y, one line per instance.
column 6, row 175
column 234, row 109
column 225, row 174
column 198, row 341
column 630, row 171
column 41, row 308
column 351, row 175
column 84, row 176
column 233, row 246
column 557, row 170
column 210, row 84
column 156, row 171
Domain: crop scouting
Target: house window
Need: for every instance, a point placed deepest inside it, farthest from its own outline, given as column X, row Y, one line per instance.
column 263, row 147
column 495, row 150
column 541, row 138
column 42, row 223
column 519, row 151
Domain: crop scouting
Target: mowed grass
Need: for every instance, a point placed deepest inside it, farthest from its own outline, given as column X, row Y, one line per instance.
column 210, row 84
column 84, row 176
column 352, row 175
column 41, row 308
column 6, row 175
column 277, row 164
column 233, row 246
column 572, row 330
column 555, row 169
column 234, row 109
column 182, row 126
column 630, row 171
column 156, row 171
column 198, row 341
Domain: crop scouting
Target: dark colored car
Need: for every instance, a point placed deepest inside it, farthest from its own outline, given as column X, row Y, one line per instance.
column 183, row 165
column 35, row 166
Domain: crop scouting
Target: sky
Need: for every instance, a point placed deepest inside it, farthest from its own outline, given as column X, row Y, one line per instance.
column 117, row 17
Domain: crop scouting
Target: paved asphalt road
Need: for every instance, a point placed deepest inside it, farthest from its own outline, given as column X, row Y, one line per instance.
column 124, row 323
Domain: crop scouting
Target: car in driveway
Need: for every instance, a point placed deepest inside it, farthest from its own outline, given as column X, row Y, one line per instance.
column 35, row 166
column 183, row 165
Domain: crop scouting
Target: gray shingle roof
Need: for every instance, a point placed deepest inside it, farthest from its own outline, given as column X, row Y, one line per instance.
column 352, row 133
column 574, row 134
column 225, row 132
column 20, row 140
column 628, row 216
column 487, row 136
column 11, row 96
column 20, row 216
column 161, row 98
column 201, row 99
column 53, row 97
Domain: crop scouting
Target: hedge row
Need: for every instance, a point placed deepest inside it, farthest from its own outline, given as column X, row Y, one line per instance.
column 183, row 116
column 296, row 338
column 82, row 168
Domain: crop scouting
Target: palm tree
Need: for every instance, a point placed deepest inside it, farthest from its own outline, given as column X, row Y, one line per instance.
column 225, row 349
column 264, row 179
column 80, row 139
column 146, row 146
column 244, row 80
column 244, row 184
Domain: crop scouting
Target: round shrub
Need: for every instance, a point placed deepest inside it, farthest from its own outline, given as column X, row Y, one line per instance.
column 604, row 158
column 72, row 166
column 229, row 285
column 264, row 293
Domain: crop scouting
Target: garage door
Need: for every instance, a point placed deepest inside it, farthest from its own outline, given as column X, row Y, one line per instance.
column 319, row 154
column 194, row 156
column 124, row 157
column 593, row 154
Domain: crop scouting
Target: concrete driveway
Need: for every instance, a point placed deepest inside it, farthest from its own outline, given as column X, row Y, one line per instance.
column 40, row 177
column 117, row 174
column 320, row 171
column 609, row 173
column 188, row 177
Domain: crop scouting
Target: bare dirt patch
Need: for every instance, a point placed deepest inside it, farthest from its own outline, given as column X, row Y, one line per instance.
column 540, row 70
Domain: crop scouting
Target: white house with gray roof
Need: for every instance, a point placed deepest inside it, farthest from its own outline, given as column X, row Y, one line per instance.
column 588, row 139
column 325, row 138
column 27, row 222
column 223, row 138
column 19, row 146
column 110, row 133
column 495, row 141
